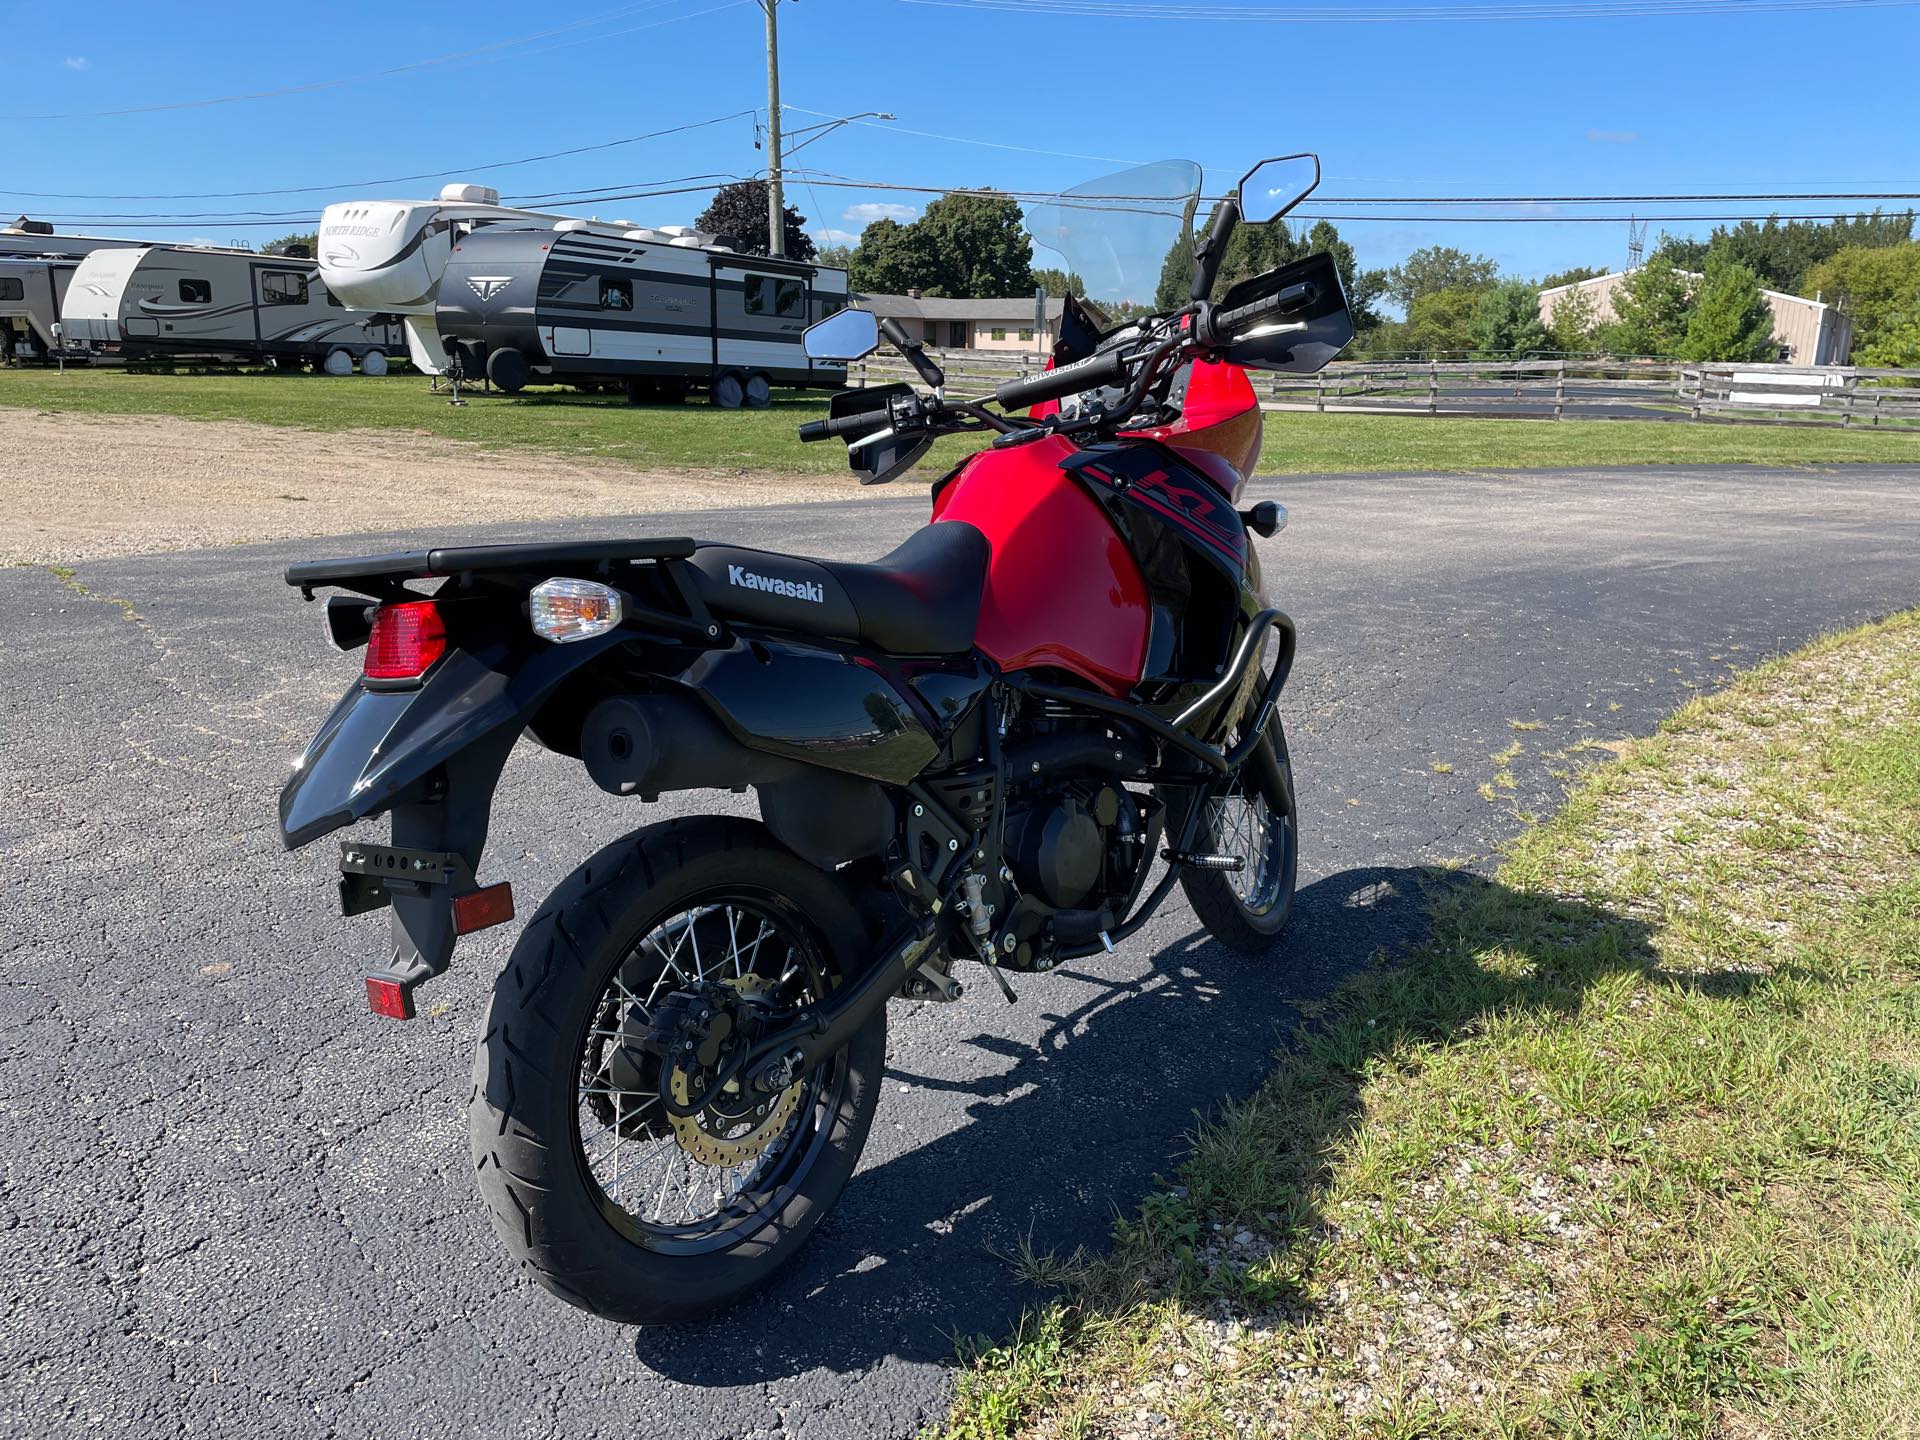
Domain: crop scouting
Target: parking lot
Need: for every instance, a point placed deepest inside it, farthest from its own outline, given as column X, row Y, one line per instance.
column 237, row 1203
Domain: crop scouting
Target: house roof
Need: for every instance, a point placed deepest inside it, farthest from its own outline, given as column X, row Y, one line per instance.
column 936, row 307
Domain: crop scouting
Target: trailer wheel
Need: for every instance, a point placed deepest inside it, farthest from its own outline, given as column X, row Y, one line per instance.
column 759, row 390
column 374, row 362
column 729, row 390
column 339, row 361
column 508, row 370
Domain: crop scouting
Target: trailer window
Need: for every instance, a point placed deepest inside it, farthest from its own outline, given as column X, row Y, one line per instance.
column 790, row 298
column 616, row 294
column 760, row 294
column 283, row 287
column 12, row 288
column 196, row 292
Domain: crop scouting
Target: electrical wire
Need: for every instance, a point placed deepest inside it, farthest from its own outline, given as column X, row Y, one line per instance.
column 1405, row 14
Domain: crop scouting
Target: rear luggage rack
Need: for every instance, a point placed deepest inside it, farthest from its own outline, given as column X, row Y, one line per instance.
column 385, row 575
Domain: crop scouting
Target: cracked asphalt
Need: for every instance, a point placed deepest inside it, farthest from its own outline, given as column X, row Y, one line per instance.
column 235, row 1203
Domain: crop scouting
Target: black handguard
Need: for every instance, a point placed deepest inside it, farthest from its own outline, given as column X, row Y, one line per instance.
column 1088, row 374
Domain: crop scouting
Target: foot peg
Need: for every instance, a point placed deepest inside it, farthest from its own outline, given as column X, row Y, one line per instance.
column 1193, row 860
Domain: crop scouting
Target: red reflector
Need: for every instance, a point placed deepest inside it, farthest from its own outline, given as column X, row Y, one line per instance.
column 478, row 909
column 406, row 639
column 389, row 998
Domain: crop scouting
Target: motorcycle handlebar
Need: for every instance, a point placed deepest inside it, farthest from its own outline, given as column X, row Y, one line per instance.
column 851, row 427
column 1287, row 299
column 1088, row 374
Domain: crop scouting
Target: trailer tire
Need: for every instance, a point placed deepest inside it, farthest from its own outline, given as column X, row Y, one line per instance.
column 339, row 361
column 508, row 370
column 374, row 362
column 759, row 390
column 729, row 390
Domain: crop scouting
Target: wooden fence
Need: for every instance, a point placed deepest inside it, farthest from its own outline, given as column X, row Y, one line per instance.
column 1576, row 389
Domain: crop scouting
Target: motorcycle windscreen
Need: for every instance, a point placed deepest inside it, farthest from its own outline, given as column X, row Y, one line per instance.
column 1302, row 338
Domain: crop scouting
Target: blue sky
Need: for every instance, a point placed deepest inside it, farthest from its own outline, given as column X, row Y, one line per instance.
column 1757, row 101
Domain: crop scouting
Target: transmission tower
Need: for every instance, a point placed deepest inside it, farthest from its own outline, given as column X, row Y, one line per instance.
column 1636, row 242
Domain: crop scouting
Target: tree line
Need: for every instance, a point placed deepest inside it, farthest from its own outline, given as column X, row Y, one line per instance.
column 1692, row 299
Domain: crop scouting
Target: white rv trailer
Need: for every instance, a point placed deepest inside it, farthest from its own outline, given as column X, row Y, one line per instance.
column 660, row 311
column 197, row 300
column 37, row 237
column 31, row 289
column 388, row 255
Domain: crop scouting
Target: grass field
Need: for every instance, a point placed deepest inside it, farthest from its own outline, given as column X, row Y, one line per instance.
column 1630, row 1147
column 599, row 427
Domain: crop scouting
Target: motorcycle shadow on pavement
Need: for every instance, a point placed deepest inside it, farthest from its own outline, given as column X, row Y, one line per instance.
column 1071, row 1132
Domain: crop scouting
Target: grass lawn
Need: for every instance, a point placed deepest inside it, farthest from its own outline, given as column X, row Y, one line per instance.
column 600, row 427
column 1630, row 1147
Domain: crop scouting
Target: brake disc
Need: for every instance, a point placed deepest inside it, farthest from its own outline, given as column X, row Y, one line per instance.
column 719, row 1137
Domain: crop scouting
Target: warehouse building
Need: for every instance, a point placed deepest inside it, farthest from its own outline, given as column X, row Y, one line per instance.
column 1808, row 332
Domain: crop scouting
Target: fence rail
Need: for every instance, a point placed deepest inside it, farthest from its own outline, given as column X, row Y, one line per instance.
column 1577, row 389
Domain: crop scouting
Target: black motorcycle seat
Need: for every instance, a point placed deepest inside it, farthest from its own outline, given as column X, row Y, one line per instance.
column 923, row 599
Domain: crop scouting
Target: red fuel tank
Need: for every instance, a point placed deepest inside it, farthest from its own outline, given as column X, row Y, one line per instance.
column 1062, row 589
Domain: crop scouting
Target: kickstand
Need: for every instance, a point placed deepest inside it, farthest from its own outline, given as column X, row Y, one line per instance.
column 985, row 953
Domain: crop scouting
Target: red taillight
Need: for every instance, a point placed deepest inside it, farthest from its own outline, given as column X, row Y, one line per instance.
column 389, row 998
column 478, row 909
column 407, row 638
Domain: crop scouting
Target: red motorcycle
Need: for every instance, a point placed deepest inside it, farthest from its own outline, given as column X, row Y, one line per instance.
column 1003, row 744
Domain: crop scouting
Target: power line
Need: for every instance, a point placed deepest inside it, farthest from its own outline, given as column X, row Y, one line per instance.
column 478, row 54
column 349, row 185
column 1404, row 14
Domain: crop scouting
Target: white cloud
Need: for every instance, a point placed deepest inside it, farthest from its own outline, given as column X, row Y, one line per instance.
column 76, row 62
column 879, row 210
column 1614, row 137
column 827, row 235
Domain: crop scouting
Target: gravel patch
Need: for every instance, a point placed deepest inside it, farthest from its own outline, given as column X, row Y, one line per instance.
column 89, row 487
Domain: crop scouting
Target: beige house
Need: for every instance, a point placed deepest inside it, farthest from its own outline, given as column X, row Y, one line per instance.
column 969, row 324
column 1807, row 331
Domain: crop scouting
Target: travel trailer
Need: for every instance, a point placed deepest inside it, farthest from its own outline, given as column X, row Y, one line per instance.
column 662, row 311
column 37, row 237
column 31, row 289
column 388, row 255
column 194, row 300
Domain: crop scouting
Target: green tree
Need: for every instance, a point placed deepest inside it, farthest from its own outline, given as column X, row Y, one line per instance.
column 1440, row 322
column 1437, row 268
column 965, row 246
column 307, row 240
column 1653, row 305
column 834, row 257
column 1730, row 319
column 740, row 210
column 1571, row 277
column 1898, row 346
column 1507, row 322
column 1059, row 283
column 1875, row 285
column 888, row 260
column 1572, row 320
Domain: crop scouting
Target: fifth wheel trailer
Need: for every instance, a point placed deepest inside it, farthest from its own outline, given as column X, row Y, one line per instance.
column 181, row 300
column 388, row 255
column 661, row 311
column 31, row 290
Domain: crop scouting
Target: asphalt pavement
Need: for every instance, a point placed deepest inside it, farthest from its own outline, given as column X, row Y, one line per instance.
column 235, row 1203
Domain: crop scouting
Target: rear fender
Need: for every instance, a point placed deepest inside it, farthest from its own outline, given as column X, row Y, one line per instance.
column 378, row 744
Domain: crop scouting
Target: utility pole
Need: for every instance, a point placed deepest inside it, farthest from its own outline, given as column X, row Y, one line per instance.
column 776, row 199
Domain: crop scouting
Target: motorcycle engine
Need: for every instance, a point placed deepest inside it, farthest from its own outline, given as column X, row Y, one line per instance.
column 1075, row 846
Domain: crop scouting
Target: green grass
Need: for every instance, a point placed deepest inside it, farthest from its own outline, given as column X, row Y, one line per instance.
column 599, row 427
column 1629, row 1147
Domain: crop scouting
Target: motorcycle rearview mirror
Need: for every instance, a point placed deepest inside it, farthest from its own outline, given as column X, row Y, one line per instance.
column 1212, row 248
column 844, row 335
column 1273, row 187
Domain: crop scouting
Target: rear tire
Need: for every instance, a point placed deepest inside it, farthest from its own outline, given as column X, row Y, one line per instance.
column 548, row 1201
column 759, row 391
column 507, row 370
column 1247, row 910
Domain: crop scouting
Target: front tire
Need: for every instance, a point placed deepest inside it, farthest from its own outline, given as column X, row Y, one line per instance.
column 569, row 1220
column 1257, row 821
